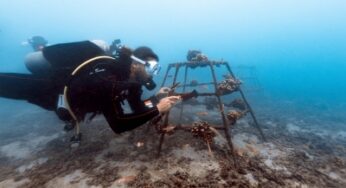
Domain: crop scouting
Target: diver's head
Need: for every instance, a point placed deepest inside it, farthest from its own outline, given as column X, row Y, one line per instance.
column 37, row 43
column 144, row 66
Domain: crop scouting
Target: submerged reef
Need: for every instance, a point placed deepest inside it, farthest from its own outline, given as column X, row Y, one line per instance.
column 293, row 156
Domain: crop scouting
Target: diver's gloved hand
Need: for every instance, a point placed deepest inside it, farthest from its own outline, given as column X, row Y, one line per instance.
column 167, row 103
column 163, row 92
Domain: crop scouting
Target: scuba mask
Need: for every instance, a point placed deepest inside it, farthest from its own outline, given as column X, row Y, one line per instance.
column 152, row 67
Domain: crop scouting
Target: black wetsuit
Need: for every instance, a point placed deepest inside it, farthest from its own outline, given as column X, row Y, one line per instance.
column 100, row 87
column 103, row 87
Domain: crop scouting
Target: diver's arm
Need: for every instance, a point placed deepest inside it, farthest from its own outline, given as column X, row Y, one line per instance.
column 134, row 100
column 120, row 122
column 137, row 105
column 126, row 122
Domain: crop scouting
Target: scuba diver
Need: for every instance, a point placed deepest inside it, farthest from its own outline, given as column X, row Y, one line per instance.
column 91, row 77
column 36, row 42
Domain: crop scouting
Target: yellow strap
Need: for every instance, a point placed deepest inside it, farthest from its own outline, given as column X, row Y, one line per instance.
column 89, row 61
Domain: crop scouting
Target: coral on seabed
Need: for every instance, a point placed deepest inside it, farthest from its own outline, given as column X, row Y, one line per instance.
column 196, row 55
column 228, row 85
column 233, row 116
column 238, row 103
column 210, row 103
column 202, row 129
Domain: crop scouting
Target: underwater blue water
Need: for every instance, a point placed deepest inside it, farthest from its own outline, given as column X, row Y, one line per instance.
column 298, row 47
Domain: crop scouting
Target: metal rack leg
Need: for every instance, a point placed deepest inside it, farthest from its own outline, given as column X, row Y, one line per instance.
column 184, row 87
column 162, row 137
column 224, row 119
column 248, row 106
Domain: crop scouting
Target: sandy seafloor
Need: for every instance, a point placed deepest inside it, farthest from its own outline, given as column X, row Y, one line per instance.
column 303, row 149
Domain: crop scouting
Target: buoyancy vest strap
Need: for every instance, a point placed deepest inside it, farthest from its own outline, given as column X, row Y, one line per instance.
column 89, row 61
column 66, row 88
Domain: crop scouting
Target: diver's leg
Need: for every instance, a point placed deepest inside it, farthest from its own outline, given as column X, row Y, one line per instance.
column 36, row 63
column 65, row 116
column 32, row 88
